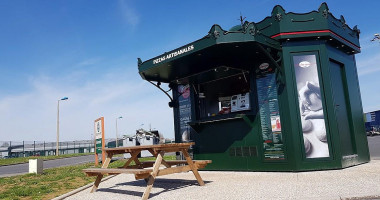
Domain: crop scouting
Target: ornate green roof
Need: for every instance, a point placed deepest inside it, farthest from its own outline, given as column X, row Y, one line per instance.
column 219, row 47
column 250, row 44
column 320, row 24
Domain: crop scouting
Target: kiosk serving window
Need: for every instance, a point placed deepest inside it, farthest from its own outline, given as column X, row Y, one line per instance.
column 223, row 96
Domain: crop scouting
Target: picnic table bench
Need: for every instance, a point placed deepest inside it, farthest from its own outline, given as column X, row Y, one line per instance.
column 149, row 170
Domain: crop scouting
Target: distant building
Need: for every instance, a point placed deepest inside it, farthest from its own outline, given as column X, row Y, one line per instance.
column 372, row 120
column 142, row 138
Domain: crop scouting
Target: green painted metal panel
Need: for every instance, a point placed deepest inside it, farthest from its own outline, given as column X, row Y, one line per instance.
column 218, row 139
column 341, row 108
column 355, row 108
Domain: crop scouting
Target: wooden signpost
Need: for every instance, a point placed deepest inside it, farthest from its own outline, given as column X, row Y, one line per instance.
column 99, row 140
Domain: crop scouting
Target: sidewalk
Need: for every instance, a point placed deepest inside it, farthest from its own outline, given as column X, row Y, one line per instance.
column 358, row 182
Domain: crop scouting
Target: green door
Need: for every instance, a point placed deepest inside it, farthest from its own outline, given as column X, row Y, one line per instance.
column 341, row 108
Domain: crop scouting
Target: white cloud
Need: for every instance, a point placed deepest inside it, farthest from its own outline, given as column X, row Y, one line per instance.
column 368, row 63
column 368, row 66
column 129, row 13
column 90, row 61
column 366, row 43
column 32, row 115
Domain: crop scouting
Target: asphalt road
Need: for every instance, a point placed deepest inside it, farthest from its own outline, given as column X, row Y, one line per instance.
column 12, row 170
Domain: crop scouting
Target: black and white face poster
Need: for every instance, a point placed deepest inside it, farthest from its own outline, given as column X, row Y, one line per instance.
column 184, row 112
column 311, row 108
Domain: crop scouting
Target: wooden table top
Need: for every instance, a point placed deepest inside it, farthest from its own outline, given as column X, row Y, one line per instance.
column 171, row 147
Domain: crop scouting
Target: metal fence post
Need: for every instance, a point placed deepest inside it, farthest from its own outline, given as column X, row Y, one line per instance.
column 44, row 149
column 34, row 148
column 74, row 146
column 23, row 148
column 10, row 149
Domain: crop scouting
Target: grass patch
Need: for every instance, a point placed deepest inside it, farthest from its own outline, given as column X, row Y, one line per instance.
column 10, row 161
column 53, row 182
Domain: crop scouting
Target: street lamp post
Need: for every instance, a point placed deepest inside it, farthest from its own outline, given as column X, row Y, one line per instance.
column 57, row 149
column 117, row 131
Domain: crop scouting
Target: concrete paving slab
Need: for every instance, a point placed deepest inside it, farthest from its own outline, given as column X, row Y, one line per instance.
column 358, row 181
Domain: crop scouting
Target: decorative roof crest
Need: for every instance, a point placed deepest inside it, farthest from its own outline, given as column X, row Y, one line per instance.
column 324, row 9
column 278, row 12
column 215, row 31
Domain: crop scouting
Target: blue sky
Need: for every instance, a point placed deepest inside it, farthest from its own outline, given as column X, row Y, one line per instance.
column 87, row 50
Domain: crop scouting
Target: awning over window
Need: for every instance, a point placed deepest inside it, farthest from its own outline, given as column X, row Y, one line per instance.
column 217, row 55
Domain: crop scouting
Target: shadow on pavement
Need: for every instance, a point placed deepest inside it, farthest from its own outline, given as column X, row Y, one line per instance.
column 165, row 184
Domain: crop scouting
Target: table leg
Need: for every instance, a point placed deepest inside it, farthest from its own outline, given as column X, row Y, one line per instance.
column 96, row 183
column 193, row 167
column 100, row 176
column 132, row 158
column 137, row 161
column 153, row 175
column 163, row 161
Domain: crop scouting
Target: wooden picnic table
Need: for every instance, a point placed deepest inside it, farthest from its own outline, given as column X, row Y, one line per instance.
column 149, row 170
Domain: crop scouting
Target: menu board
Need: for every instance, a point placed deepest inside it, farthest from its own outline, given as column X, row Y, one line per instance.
column 184, row 103
column 269, row 115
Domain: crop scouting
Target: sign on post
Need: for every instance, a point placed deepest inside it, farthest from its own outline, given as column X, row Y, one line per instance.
column 99, row 140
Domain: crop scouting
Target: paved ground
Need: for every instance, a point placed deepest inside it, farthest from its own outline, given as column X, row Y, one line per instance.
column 358, row 181
column 12, row 170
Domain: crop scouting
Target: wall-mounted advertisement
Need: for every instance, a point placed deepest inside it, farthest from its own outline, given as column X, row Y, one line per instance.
column 311, row 108
column 184, row 102
column 269, row 113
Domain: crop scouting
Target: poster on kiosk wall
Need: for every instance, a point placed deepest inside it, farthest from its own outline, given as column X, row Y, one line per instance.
column 311, row 107
column 269, row 111
column 184, row 104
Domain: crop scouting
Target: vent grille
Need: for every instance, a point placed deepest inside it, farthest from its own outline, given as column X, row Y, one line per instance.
column 250, row 151
column 239, row 152
column 246, row 151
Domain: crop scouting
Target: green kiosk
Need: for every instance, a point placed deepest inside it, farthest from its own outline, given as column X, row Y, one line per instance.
column 278, row 95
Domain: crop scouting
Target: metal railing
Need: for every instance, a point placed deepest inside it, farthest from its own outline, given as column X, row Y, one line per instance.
column 42, row 148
